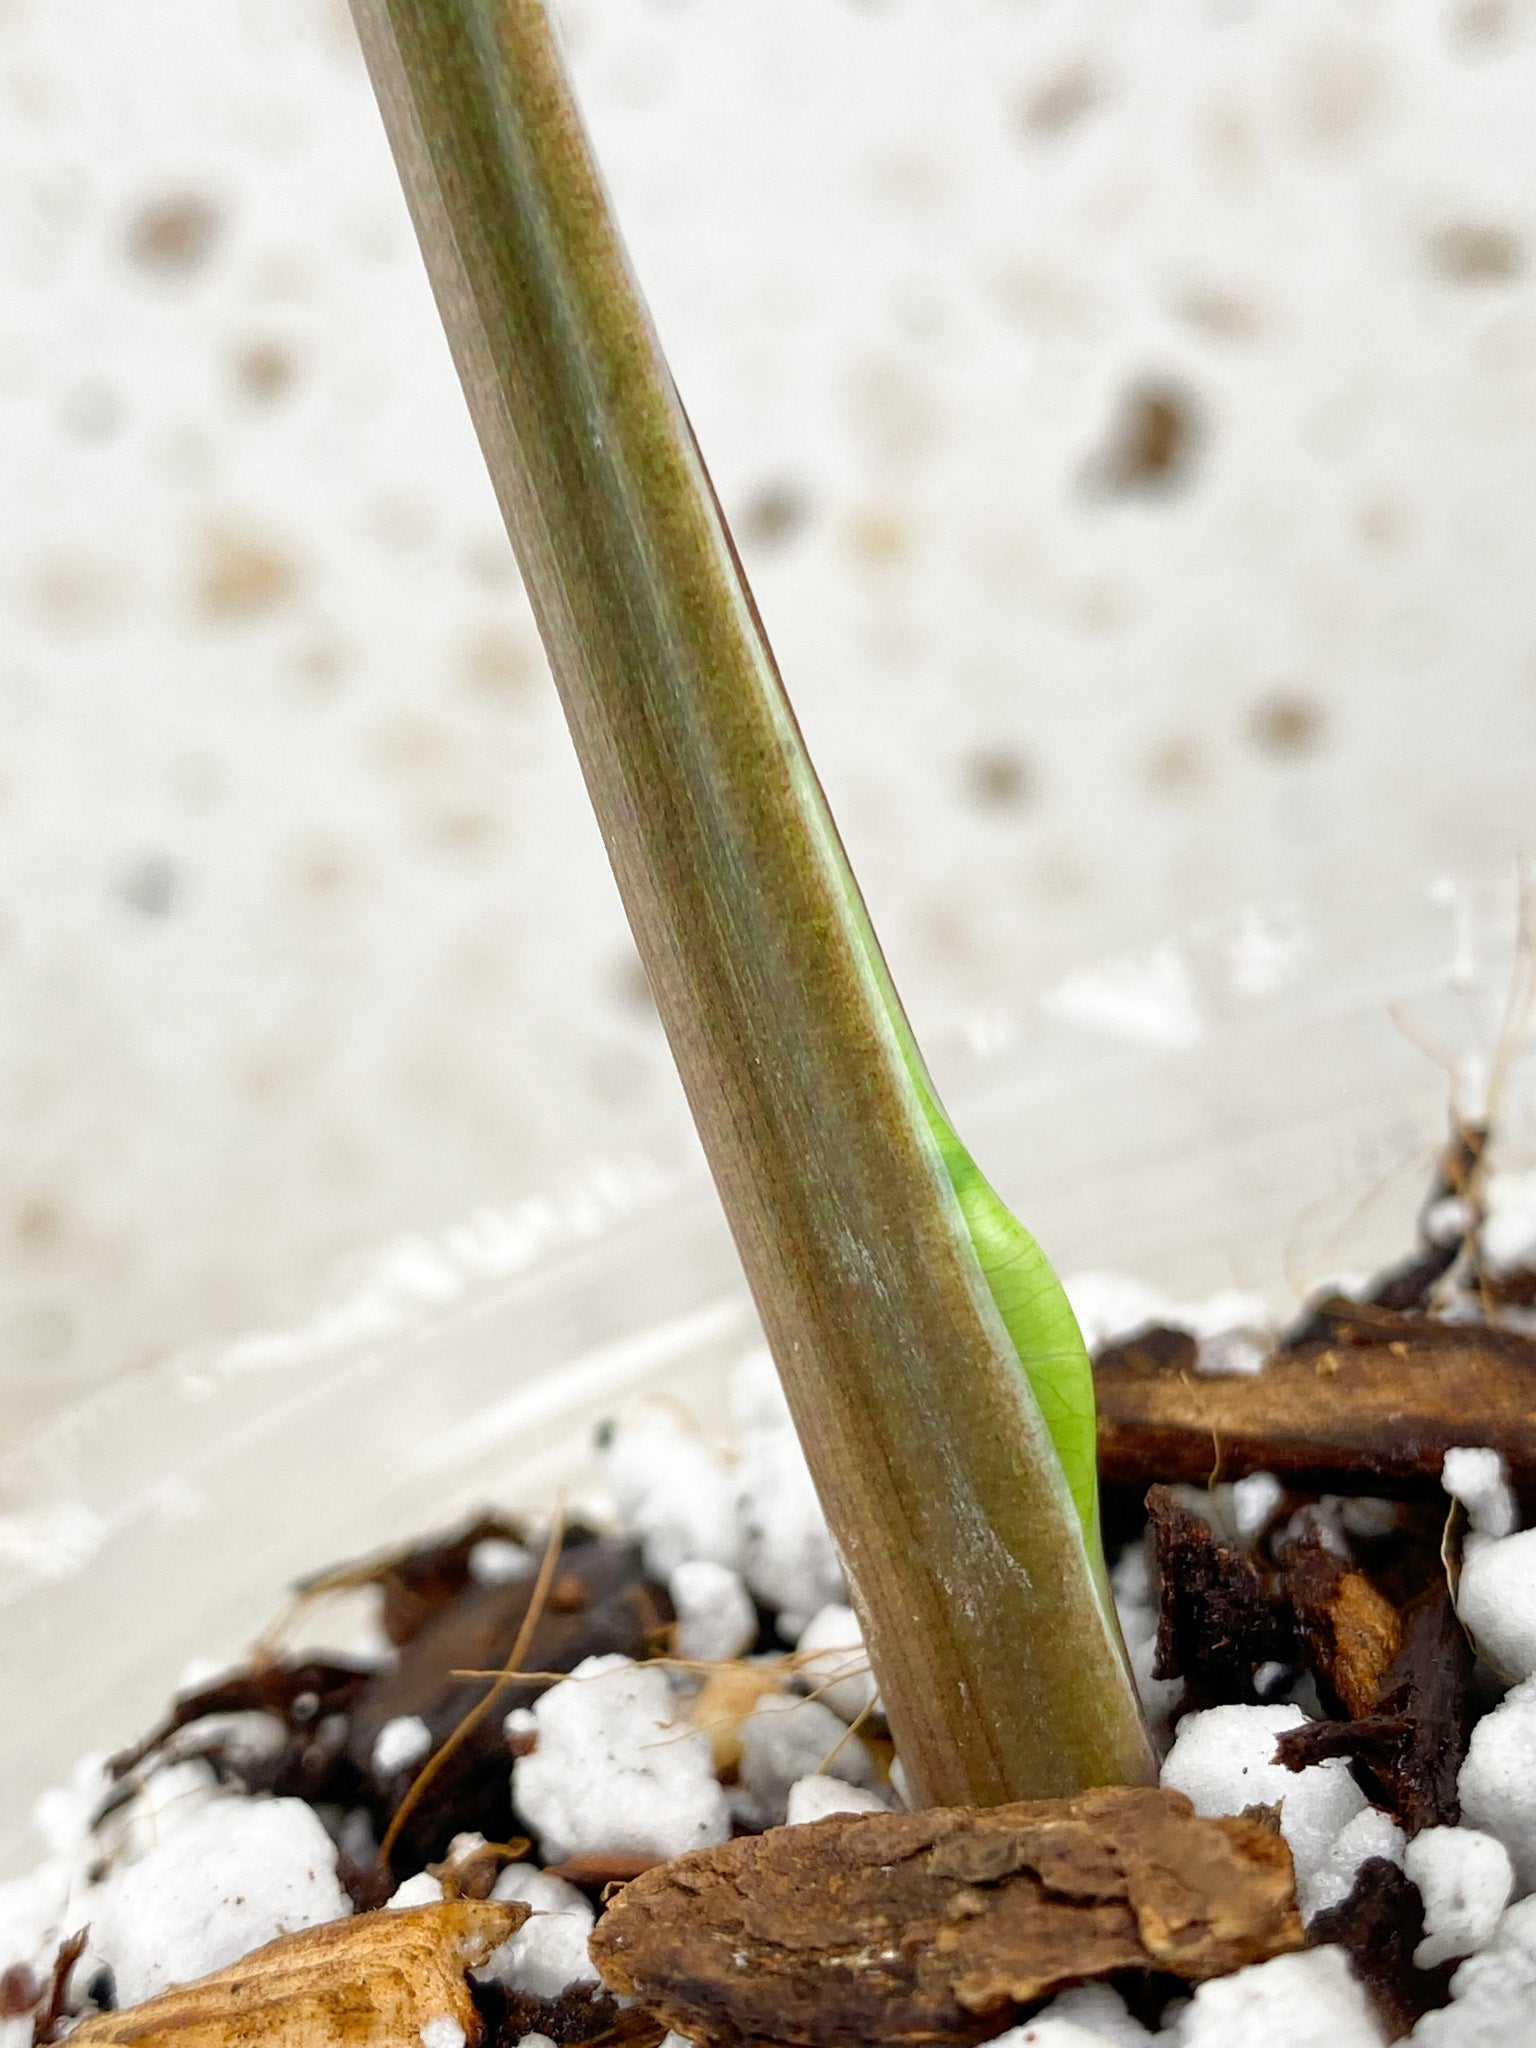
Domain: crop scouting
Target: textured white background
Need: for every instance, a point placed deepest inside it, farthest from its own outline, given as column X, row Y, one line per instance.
column 305, row 935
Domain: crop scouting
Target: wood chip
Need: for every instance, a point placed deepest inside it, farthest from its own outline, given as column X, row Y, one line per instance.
column 1218, row 1616
column 1413, row 1745
column 941, row 1926
column 370, row 1982
column 1379, row 1926
column 1371, row 1406
column 596, row 1868
column 1352, row 1633
column 580, row 2015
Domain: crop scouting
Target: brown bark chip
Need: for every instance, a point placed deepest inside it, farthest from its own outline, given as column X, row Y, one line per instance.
column 579, row 2015
column 1217, row 1617
column 1379, row 1926
column 1352, row 1633
column 941, row 1926
column 370, row 1982
column 1222, row 1612
column 1413, row 1745
column 303, row 1695
column 1370, row 1405
column 419, row 1582
column 333, row 1711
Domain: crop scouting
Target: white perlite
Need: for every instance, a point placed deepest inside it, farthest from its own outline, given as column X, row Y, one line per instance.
column 1224, row 1760
column 547, row 1955
column 421, row 1890
column 442, row 2032
column 1323, row 1519
column 1099, row 2013
column 1309, row 2000
column 1232, row 1328
column 1479, row 1480
column 549, row 1951
column 1497, row 1785
column 400, row 1743
column 1508, row 1236
column 1109, row 1306
column 762, row 1519
column 234, row 1875
column 1131, row 1583
column 540, row 1889
column 1493, row 1994
column 1496, row 1601
column 616, row 1769
column 669, row 1489
column 786, row 1553
column 497, row 1561
column 785, row 1739
column 1051, row 2031
column 816, row 1797
column 715, row 1616
column 247, row 1739
column 1447, row 1221
column 1465, row 1879
column 1370, row 1834
column 1255, row 1501
column 163, row 1804
column 833, row 1664
column 1233, row 1354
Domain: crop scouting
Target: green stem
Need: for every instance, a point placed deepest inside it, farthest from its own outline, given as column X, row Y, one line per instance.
column 964, row 1546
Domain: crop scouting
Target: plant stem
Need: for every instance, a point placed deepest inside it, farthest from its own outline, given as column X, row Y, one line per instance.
column 982, row 1598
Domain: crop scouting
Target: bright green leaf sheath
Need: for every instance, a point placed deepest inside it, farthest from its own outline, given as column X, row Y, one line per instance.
column 1025, row 1291
column 1038, row 1318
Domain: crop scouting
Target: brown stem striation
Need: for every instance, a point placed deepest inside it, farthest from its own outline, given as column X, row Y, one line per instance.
column 999, row 1658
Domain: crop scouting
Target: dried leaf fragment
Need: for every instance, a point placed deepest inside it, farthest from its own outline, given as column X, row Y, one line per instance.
column 940, row 1926
column 723, row 1702
column 370, row 1982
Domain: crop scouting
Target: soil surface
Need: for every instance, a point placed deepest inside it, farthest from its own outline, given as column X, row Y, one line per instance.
column 947, row 1927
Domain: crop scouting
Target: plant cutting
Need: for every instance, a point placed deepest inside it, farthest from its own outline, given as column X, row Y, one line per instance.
column 565, row 1719
column 936, row 1374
